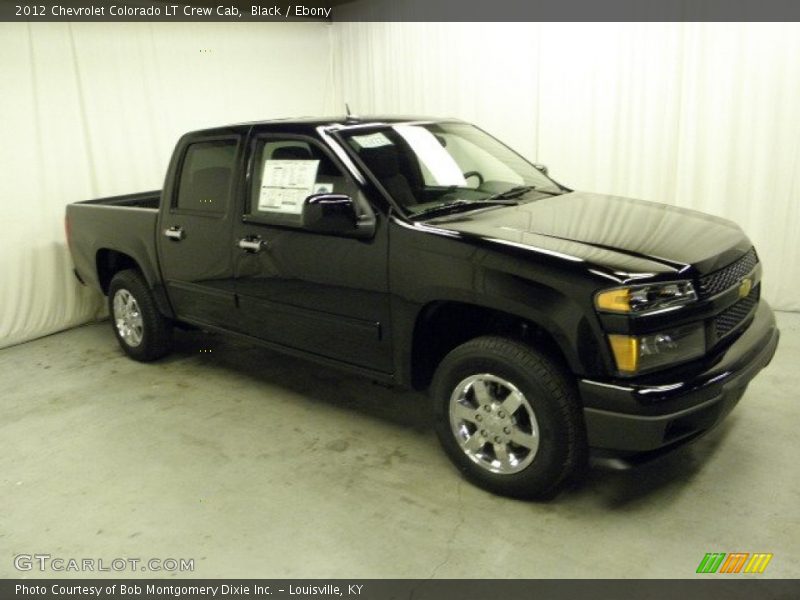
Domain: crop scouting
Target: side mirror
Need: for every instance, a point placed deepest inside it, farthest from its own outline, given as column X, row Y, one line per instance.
column 334, row 214
column 542, row 168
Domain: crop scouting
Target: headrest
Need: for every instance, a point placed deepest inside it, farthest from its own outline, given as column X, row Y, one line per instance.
column 291, row 153
column 211, row 176
column 381, row 160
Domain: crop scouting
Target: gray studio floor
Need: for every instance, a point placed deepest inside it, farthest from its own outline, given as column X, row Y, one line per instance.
column 258, row 465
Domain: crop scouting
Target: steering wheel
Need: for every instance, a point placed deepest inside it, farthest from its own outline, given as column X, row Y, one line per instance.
column 469, row 174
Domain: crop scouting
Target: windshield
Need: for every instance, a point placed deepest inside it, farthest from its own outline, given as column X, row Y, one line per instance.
column 430, row 167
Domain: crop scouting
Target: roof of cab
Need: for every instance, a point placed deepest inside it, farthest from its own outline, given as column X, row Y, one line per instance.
column 308, row 125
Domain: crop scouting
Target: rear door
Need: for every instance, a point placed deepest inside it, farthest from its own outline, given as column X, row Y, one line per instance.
column 314, row 292
column 194, row 236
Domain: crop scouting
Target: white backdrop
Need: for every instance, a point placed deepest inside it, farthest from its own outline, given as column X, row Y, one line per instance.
column 90, row 110
column 699, row 115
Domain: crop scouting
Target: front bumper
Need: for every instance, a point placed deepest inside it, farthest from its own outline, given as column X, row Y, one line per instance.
column 664, row 411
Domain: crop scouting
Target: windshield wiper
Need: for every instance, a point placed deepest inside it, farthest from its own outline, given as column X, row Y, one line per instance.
column 461, row 204
column 518, row 191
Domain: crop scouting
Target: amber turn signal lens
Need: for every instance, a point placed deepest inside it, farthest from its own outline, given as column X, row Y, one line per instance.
column 618, row 300
column 626, row 352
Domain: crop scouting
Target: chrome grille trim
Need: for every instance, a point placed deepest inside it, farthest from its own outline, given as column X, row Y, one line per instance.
column 727, row 277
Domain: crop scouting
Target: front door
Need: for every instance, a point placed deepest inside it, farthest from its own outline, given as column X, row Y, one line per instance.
column 313, row 292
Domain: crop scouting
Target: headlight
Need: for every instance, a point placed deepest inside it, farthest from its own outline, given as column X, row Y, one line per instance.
column 639, row 299
column 636, row 354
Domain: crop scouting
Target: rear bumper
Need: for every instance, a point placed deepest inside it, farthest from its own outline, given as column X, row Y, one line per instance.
column 662, row 412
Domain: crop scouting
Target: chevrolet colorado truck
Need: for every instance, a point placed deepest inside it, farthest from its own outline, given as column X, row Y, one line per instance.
column 546, row 322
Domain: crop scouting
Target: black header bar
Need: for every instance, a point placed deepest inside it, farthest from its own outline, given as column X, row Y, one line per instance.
column 711, row 587
column 404, row 10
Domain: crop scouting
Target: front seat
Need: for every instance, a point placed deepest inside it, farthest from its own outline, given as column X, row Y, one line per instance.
column 384, row 163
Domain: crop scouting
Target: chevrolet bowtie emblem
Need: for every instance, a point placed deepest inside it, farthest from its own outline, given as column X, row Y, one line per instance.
column 745, row 286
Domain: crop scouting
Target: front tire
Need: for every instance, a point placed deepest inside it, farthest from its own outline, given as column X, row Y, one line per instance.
column 141, row 330
column 508, row 417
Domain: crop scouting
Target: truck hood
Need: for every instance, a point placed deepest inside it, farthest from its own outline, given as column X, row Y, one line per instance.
column 611, row 231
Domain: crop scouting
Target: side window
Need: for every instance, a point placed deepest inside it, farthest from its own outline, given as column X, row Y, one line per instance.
column 206, row 177
column 285, row 173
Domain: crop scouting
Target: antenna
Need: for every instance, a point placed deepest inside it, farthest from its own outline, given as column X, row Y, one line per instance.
column 350, row 118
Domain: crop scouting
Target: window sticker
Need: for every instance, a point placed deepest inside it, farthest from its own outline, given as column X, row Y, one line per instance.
column 285, row 184
column 373, row 140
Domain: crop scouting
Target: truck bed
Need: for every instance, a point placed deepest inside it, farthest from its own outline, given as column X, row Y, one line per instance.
column 141, row 200
column 100, row 230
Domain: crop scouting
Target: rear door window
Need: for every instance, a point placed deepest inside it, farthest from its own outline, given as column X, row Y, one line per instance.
column 207, row 176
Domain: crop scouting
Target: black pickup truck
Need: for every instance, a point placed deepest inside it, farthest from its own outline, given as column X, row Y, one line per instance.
column 545, row 322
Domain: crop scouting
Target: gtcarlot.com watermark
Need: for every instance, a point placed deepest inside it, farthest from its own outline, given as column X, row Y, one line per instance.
column 44, row 563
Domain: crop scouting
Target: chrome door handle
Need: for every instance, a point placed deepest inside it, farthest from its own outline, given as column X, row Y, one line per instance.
column 252, row 244
column 175, row 233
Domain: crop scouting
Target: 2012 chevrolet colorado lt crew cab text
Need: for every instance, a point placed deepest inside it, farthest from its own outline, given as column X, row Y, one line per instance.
column 545, row 322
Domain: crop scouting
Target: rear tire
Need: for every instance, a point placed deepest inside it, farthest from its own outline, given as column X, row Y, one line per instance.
column 141, row 330
column 509, row 418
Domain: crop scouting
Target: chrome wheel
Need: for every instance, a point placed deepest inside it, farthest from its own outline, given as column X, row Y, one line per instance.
column 128, row 318
column 494, row 423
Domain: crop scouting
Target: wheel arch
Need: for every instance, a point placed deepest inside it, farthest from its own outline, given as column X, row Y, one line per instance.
column 442, row 325
column 109, row 262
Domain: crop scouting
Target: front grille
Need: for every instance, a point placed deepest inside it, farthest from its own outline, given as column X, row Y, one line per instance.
column 727, row 277
column 729, row 319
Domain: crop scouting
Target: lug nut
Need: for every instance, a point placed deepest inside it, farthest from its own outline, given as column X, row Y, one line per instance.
column 479, row 417
column 506, row 430
column 497, row 439
column 483, row 433
column 501, row 414
column 487, row 408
